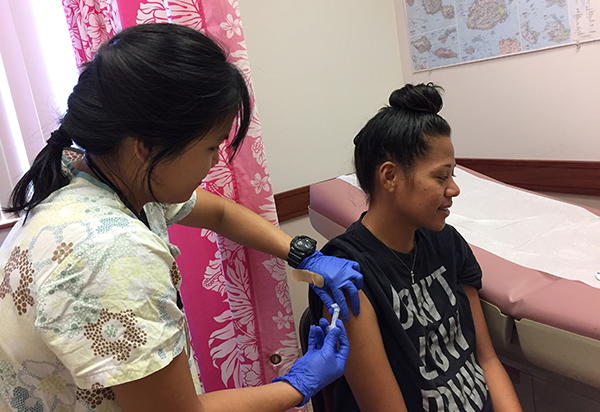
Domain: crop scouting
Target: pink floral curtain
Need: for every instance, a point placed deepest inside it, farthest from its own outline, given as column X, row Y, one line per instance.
column 236, row 299
column 91, row 23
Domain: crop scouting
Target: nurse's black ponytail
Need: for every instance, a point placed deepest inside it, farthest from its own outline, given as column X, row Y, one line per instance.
column 163, row 84
column 45, row 175
column 399, row 132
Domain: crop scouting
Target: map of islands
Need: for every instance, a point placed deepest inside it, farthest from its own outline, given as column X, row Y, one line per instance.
column 435, row 49
column 485, row 14
column 544, row 24
column 487, row 28
column 426, row 16
column 445, row 32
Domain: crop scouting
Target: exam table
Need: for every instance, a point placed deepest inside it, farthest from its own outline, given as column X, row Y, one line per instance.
column 540, row 259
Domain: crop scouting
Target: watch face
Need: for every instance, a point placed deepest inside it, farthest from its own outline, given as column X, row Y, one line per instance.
column 300, row 248
column 304, row 244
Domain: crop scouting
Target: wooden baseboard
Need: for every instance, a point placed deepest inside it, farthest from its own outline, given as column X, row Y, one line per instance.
column 558, row 176
column 7, row 225
column 292, row 203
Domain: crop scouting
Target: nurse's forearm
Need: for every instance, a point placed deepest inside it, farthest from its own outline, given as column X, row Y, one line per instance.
column 249, row 229
column 274, row 397
column 172, row 389
column 238, row 224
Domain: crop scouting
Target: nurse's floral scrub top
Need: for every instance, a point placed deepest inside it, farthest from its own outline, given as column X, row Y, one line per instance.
column 87, row 299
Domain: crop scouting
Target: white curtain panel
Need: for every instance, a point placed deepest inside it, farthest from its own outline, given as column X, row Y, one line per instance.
column 37, row 72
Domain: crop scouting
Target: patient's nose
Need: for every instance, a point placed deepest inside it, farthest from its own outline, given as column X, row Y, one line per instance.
column 453, row 190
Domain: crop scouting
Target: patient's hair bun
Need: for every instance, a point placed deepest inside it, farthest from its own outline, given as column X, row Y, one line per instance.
column 418, row 98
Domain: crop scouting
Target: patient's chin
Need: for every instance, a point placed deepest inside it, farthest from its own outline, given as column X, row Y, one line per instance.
column 437, row 226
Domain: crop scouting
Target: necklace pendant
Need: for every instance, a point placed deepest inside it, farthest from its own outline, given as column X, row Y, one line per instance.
column 412, row 276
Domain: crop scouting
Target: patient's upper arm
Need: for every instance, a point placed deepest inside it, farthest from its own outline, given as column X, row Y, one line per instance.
column 368, row 370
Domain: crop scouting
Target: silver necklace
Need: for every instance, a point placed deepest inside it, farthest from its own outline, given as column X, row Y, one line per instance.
column 411, row 269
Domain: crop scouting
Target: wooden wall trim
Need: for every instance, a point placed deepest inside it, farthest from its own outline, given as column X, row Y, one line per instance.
column 292, row 203
column 7, row 225
column 558, row 176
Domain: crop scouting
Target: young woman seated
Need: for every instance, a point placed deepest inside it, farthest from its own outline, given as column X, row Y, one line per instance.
column 420, row 342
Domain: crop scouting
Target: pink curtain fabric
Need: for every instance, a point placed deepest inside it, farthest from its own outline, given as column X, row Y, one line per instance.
column 236, row 299
column 91, row 23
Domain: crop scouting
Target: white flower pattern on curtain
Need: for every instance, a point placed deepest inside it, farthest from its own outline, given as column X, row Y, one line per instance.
column 236, row 320
column 91, row 23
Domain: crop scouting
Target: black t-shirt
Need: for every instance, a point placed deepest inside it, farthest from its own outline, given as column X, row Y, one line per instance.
column 426, row 325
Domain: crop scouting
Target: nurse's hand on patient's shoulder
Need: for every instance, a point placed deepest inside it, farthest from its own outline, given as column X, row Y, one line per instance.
column 324, row 362
column 339, row 275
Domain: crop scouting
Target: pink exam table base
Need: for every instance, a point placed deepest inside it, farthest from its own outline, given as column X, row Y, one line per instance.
column 535, row 319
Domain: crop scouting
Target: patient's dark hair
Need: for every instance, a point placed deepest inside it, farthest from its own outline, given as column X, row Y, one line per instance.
column 164, row 84
column 399, row 132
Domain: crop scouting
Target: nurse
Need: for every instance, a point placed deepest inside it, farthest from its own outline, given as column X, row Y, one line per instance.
column 88, row 292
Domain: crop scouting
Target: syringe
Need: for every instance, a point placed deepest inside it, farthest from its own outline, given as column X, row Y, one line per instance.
column 334, row 318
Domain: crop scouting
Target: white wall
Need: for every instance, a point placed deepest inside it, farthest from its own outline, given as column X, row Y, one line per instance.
column 320, row 69
column 540, row 105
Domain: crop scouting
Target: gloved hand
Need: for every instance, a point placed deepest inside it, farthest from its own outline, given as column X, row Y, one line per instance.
column 338, row 274
column 323, row 363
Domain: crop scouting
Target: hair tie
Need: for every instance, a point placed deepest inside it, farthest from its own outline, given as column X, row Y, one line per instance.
column 59, row 139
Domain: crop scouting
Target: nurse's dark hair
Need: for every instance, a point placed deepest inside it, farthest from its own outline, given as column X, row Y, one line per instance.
column 164, row 84
column 400, row 132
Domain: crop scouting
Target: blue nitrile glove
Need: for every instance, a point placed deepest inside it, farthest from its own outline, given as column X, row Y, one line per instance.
column 339, row 274
column 323, row 363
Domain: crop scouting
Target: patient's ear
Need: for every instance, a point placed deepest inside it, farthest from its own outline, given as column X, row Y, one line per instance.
column 388, row 175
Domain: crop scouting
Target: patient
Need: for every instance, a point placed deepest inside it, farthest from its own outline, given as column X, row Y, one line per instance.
column 420, row 342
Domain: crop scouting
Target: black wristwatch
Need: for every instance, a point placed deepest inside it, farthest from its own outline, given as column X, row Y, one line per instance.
column 300, row 247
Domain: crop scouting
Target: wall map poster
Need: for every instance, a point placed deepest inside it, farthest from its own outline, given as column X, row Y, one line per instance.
column 446, row 32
